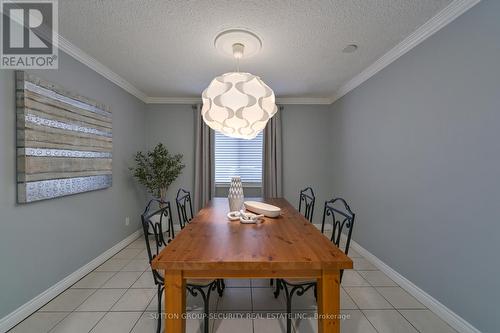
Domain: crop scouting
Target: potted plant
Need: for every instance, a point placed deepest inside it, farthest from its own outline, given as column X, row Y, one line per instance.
column 157, row 169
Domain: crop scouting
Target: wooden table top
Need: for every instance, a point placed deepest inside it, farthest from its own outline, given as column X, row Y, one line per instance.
column 288, row 242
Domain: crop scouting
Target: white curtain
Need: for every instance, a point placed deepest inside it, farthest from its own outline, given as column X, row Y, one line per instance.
column 204, row 187
column 273, row 158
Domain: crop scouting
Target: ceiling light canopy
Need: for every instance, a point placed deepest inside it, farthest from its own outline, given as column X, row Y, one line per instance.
column 238, row 104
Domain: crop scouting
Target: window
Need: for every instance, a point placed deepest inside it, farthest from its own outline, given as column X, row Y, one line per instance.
column 238, row 157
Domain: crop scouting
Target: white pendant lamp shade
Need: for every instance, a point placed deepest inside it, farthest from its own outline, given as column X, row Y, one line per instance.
column 238, row 105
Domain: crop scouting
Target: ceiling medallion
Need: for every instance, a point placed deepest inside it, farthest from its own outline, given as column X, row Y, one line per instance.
column 238, row 104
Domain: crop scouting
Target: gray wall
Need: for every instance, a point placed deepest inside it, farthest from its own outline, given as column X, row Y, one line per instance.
column 43, row 242
column 416, row 151
column 305, row 154
column 173, row 125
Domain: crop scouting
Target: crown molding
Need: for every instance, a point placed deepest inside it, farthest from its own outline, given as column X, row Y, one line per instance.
column 284, row 100
column 304, row 100
column 83, row 57
column 440, row 20
column 173, row 100
column 99, row 68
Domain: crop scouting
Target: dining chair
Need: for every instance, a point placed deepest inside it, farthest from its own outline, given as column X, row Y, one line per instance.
column 338, row 212
column 163, row 218
column 204, row 288
column 182, row 200
column 307, row 200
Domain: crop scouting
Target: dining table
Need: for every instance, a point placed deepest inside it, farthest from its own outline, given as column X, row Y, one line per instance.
column 288, row 246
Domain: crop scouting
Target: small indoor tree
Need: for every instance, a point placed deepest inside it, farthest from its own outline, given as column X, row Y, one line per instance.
column 157, row 169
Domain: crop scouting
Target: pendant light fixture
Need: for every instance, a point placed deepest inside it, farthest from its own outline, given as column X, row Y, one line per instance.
column 238, row 104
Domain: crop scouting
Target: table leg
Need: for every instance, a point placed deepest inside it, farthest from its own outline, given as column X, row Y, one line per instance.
column 329, row 302
column 175, row 302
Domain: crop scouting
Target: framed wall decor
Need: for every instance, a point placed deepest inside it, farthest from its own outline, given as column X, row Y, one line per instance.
column 64, row 141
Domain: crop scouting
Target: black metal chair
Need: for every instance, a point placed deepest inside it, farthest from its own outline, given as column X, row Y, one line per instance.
column 159, row 218
column 307, row 200
column 182, row 200
column 341, row 217
column 194, row 287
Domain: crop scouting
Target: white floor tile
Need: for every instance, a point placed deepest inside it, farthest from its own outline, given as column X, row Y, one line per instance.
column 233, row 325
column 309, row 325
column 353, row 279
column 389, row 321
column 306, row 302
column 78, row 322
column 117, row 322
column 143, row 255
column 270, row 325
column 134, row 300
column 263, row 300
column 101, row 300
column 153, row 305
column 112, row 265
column 346, row 302
column 94, row 280
column 68, row 301
column 260, row 283
column 122, row 280
column 235, row 299
column 195, row 325
column 361, row 264
column 426, row 322
column 130, row 269
column 195, row 303
column 353, row 253
column 39, row 322
column 127, row 253
column 139, row 243
column 353, row 321
column 399, row 298
column 145, row 281
column 136, row 265
column 146, row 324
column 367, row 298
column 377, row 279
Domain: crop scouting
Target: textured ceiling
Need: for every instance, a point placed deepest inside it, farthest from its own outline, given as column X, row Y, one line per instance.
column 165, row 48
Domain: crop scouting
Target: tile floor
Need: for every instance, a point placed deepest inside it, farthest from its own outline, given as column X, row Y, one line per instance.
column 119, row 296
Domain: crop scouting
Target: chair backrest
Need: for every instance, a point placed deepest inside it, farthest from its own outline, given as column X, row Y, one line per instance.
column 151, row 219
column 342, row 219
column 306, row 201
column 182, row 200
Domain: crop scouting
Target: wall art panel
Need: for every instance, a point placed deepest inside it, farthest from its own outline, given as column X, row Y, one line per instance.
column 64, row 141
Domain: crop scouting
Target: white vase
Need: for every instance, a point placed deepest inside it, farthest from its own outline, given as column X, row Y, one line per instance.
column 235, row 195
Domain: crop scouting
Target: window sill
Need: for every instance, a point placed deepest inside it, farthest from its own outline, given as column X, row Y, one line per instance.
column 223, row 185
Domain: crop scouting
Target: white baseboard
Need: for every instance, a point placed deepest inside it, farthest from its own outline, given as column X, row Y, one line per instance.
column 25, row 310
column 454, row 320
